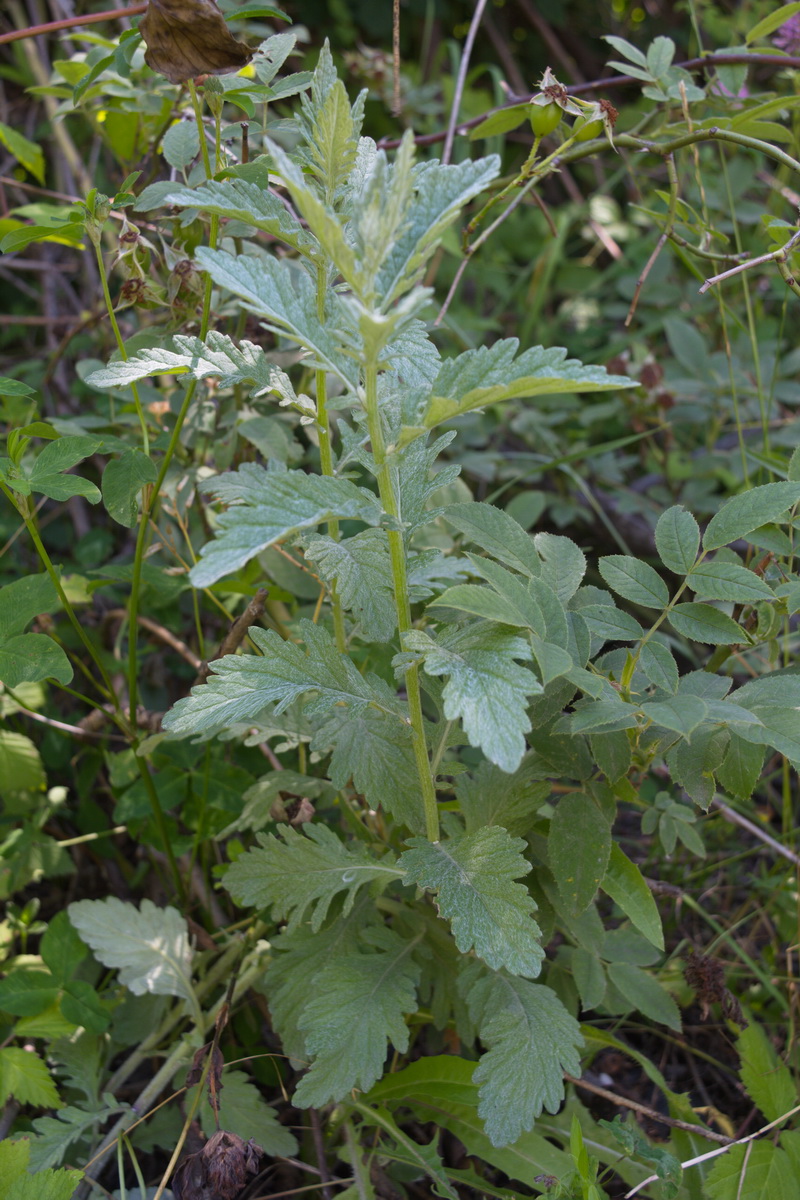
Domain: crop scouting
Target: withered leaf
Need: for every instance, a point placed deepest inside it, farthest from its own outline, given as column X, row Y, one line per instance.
column 219, row 1171
column 187, row 38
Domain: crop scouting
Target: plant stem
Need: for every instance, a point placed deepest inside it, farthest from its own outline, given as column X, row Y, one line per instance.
column 397, row 555
column 112, row 316
column 326, row 457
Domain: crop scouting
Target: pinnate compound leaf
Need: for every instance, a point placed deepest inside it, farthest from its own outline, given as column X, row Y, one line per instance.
column 677, row 539
column 492, row 797
column 493, row 374
column 747, row 511
column 218, row 355
column 24, row 1076
column 486, row 689
column 302, row 870
column 496, row 532
column 284, row 295
column 242, row 201
column 375, row 750
column 704, row 623
column 634, row 580
column 56, row 1135
column 268, row 506
column 242, row 685
column 473, row 876
column 624, row 883
column 359, row 1006
column 532, row 1041
column 123, row 479
column 728, row 581
column 682, row 714
column 578, row 848
column 362, row 571
column 149, row 945
column 658, row 663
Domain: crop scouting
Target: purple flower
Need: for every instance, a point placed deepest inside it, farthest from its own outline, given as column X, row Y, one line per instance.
column 787, row 37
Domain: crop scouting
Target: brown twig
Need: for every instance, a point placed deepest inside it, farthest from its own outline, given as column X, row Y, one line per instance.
column 777, row 256
column 163, row 635
column 68, row 22
column 461, row 78
column 645, row 1111
column 319, row 1148
column 237, row 632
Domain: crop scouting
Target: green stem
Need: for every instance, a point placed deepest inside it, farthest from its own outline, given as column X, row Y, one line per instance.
column 161, row 825
column 326, row 457
column 107, row 688
column 397, row 555
column 120, row 343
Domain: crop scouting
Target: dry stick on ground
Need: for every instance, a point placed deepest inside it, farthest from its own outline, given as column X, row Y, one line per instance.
column 646, row 1111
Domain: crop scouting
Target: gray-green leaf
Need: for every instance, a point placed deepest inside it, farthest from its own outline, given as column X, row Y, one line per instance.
column 149, row 946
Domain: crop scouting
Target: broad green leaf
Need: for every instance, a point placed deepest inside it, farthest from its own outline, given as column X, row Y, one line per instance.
column 634, row 580
column 442, row 1077
column 626, row 49
column 285, row 295
column 563, row 564
column 25, row 1077
column 747, row 511
column 600, row 714
column 218, row 355
column 532, row 1041
column 682, row 714
column 645, row 994
column 727, row 581
column 660, row 54
column 29, row 154
column 704, row 623
column 757, row 1171
column 667, row 1166
column 611, row 624
column 489, row 375
column 741, row 768
column 268, row 506
column 361, row 570
column 613, row 753
column 25, row 599
column 578, row 848
column 21, row 767
column 48, row 474
column 302, row 870
column 473, row 876
column 241, row 201
column 31, row 657
column 149, row 946
column 61, row 947
column 482, row 602
column 590, row 979
column 500, row 122
column 27, row 991
column 122, row 481
column 496, row 532
column 375, row 750
column 492, row 797
column 486, row 689
column 181, row 143
column 677, row 539
column 359, row 1007
column 768, row 1080
column 658, row 663
column 17, row 1184
column 81, row 1005
column 243, row 1108
column 624, row 883
column 241, row 686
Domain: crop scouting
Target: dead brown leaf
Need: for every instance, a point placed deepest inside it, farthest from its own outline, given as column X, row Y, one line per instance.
column 187, row 38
